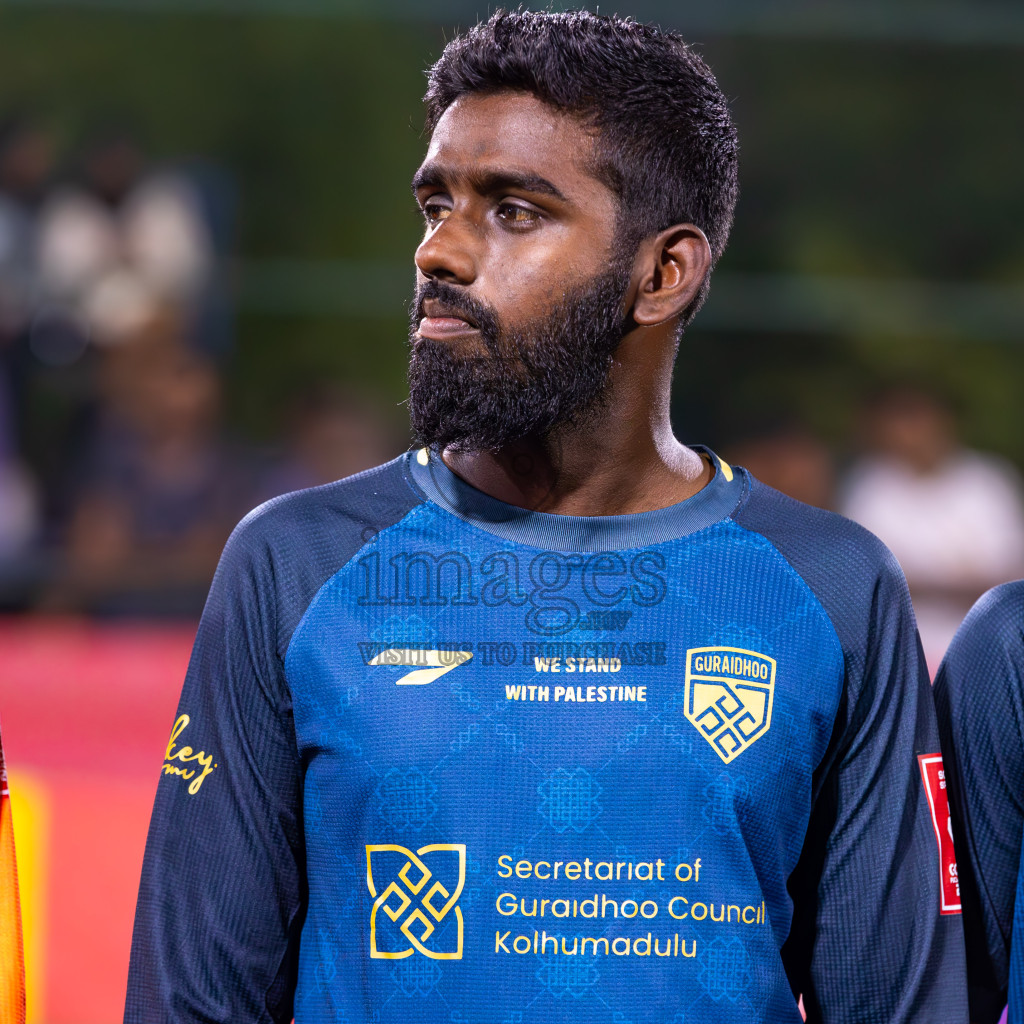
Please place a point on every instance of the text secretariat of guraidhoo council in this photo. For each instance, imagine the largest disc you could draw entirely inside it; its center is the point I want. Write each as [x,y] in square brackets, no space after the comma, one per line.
[601,906]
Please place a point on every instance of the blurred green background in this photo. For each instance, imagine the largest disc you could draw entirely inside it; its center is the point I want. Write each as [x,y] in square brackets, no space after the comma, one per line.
[878,233]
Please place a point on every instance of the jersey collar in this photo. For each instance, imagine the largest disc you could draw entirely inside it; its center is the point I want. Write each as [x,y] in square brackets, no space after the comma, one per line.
[715,501]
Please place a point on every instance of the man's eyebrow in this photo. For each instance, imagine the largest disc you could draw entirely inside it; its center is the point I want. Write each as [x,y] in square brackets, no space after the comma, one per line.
[486,182]
[426,175]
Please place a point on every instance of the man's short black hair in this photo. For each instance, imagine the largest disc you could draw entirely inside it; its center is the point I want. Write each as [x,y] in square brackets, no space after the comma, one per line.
[666,143]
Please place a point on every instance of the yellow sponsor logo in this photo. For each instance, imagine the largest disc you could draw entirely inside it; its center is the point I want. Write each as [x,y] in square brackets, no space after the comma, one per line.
[729,696]
[191,764]
[416,908]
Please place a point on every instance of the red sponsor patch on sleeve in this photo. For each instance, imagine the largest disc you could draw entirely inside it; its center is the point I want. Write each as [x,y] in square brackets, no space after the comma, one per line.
[934,777]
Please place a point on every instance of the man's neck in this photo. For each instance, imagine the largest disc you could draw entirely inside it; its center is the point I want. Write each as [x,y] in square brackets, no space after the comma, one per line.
[599,470]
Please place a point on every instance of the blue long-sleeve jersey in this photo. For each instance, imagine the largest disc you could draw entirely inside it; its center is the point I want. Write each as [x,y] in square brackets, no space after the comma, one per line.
[979,693]
[439,758]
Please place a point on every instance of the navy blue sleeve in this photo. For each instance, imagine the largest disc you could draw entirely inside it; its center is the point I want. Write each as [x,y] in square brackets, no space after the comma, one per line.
[979,694]
[222,895]
[869,941]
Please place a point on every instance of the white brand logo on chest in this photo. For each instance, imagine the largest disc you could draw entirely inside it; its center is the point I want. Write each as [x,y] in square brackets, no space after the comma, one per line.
[431,665]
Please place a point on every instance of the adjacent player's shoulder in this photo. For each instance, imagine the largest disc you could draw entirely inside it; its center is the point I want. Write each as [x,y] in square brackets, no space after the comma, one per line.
[992,632]
[999,611]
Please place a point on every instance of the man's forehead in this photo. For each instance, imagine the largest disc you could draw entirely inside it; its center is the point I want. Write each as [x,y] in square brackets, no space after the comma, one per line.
[510,131]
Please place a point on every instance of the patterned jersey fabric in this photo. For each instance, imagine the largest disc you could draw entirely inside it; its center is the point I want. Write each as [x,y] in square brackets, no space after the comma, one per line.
[979,693]
[439,758]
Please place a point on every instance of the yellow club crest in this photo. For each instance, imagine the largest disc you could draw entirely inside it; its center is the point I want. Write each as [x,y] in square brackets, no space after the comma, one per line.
[729,696]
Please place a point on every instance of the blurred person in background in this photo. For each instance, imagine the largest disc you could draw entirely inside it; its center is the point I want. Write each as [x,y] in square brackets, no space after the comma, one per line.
[91,264]
[161,487]
[20,519]
[26,160]
[46,382]
[93,254]
[26,163]
[952,516]
[122,228]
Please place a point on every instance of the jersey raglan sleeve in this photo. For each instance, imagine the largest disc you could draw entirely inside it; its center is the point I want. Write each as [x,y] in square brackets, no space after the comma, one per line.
[882,937]
[870,942]
[221,896]
[978,694]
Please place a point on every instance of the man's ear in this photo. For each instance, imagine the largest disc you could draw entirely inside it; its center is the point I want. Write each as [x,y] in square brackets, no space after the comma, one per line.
[670,267]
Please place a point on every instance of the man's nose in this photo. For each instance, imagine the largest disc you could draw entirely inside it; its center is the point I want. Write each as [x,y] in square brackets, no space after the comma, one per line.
[450,251]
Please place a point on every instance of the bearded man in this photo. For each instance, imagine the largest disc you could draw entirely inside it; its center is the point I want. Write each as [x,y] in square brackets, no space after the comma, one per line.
[555,718]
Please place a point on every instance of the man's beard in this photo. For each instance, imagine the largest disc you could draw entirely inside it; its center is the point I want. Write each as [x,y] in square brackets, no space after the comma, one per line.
[532,378]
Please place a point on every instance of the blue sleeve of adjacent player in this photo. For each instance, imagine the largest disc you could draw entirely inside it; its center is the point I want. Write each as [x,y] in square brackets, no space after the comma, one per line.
[870,943]
[980,698]
[221,896]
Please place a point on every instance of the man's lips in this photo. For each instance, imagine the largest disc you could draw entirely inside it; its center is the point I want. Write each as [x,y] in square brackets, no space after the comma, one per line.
[440,323]
[442,327]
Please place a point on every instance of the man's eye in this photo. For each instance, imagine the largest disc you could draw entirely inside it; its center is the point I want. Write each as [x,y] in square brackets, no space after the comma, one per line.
[435,212]
[519,216]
